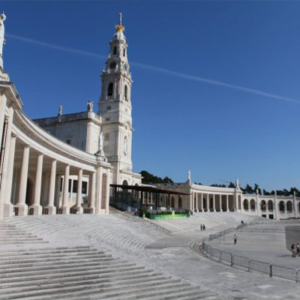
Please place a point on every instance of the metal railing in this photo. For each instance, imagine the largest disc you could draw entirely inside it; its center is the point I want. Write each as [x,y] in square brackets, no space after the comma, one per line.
[244,263]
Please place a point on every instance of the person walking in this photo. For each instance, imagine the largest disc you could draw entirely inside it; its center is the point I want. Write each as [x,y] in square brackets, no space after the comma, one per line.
[235,239]
[294,250]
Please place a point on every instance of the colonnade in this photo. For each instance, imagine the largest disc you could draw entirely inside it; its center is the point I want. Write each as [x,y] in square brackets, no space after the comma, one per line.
[212,202]
[32,163]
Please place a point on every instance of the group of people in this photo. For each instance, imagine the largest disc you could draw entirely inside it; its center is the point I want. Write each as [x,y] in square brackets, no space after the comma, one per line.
[295,249]
[202,227]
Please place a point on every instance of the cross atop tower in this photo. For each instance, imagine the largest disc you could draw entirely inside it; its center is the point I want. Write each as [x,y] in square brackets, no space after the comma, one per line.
[120,18]
[120,26]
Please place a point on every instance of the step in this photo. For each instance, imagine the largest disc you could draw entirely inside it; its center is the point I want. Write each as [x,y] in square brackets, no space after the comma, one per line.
[100,283]
[33,259]
[102,269]
[137,275]
[67,261]
[91,272]
[11,271]
[79,289]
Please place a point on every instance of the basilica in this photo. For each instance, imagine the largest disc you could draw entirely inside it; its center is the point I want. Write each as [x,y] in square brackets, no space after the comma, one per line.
[68,163]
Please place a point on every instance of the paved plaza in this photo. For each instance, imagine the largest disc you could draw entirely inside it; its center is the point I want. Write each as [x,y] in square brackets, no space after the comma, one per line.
[166,259]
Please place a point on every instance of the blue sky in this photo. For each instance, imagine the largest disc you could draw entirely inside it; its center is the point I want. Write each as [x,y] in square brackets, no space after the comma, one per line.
[180,121]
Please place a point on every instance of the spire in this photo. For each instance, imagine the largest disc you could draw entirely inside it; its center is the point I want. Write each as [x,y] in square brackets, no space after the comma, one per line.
[120,26]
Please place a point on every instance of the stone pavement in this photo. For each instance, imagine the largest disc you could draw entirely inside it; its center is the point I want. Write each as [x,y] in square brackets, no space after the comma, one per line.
[170,254]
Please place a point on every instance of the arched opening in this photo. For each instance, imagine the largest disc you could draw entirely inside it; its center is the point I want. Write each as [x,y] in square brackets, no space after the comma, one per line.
[263,205]
[29,192]
[173,202]
[246,204]
[126,92]
[204,204]
[252,204]
[289,206]
[211,204]
[281,206]
[115,50]
[125,182]
[180,203]
[110,90]
[124,52]
[270,205]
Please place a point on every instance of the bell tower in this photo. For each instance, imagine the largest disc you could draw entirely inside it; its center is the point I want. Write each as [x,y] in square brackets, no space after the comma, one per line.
[115,105]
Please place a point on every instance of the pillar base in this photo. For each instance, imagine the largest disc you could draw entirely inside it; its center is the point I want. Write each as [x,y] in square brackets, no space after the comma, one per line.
[79,210]
[51,210]
[8,210]
[36,210]
[65,210]
[92,210]
[21,210]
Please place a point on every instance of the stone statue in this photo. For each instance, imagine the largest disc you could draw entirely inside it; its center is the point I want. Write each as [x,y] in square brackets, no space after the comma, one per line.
[2,39]
[100,153]
[90,106]
[237,184]
[60,110]
[189,176]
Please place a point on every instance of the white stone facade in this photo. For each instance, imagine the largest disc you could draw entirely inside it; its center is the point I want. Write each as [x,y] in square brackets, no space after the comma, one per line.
[59,169]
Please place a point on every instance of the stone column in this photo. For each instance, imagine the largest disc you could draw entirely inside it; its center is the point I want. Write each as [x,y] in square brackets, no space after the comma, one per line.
[65,205]
[58,191]
[21,205]
[8,207]
[79,193]
[201,199]
[37,208]
[108,192]
[227,203]
[197,202]
[220,203]
[208,203]
[89,137]
[294,204]
[92,192]
[214,202]
[51,208]
[98,190]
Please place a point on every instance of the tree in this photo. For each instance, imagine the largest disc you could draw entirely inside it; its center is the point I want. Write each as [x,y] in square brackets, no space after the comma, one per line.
[150,178]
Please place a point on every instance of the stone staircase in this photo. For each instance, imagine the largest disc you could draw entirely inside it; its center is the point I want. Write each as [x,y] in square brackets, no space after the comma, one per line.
[10,234]
[85,273]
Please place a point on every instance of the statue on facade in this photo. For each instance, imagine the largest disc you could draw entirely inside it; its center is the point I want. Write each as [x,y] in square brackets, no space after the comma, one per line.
[237,184]
[90,106]
[100,153]
[60,110]
[2,39]
[189,177]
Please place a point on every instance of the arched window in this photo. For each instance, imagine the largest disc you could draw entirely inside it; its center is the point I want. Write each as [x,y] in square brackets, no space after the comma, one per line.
[281,206]
[263,205]
[115,50]
[246,204]
[126,92]
[125,145]
[270,205]
[252,204]
[113,65]
[110,89]
[124,52]
[125,182]
[68,141]
[289,207]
